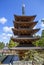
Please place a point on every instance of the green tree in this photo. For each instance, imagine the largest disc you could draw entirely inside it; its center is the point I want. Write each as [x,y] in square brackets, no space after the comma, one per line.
[12,44]
[42,33]
[40,42]
[2,45]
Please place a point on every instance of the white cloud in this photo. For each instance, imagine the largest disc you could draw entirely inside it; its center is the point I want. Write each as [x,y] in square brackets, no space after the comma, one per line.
[9,35]
[42,28]
[6,35]
[42,25]
[34,27]
[3,20]
[42,19]
[5,38]
[3,34]
[7,29]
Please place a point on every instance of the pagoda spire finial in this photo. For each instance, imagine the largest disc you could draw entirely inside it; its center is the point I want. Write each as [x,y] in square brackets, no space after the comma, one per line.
[23,9]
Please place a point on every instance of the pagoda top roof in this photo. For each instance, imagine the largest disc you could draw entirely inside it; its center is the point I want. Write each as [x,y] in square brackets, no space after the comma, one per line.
[27,17]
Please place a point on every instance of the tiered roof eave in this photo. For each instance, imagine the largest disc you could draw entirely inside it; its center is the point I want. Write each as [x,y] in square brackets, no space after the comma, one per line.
[24,31]
[23,24]
[27,39]
[29,18]
[23,28]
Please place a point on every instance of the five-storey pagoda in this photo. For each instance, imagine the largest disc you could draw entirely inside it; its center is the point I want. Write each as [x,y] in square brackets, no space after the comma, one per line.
[23,28]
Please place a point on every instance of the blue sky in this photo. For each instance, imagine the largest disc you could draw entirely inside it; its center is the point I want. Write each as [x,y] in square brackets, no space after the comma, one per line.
[10,7]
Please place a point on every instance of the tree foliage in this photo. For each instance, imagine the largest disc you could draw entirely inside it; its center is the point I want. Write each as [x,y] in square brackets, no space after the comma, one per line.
[42,33]
[2,45]
[40,42]
[12,44]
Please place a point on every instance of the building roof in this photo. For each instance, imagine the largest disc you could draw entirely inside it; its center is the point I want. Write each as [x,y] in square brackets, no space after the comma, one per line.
[24,31]
[24,24]
[26,18]
[25,39]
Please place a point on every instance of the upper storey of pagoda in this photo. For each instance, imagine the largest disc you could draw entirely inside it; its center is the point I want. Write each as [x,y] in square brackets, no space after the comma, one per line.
[24,18]
[24,21]
[24,24]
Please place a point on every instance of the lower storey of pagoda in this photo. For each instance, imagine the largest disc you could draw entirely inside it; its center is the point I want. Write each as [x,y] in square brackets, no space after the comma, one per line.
[25,41]
[25,44]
